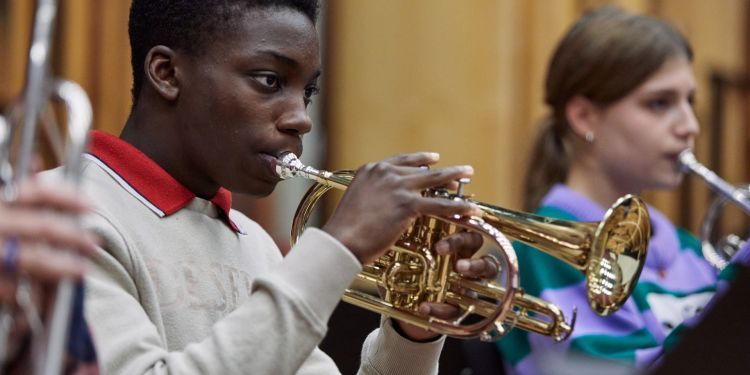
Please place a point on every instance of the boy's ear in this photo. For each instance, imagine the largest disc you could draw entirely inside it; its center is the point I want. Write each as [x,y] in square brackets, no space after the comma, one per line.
[582,116]
[160,72]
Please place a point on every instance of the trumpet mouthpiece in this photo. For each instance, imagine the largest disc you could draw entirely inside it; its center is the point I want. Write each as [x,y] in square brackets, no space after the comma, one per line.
[686,159]
[287,165]
[286,157]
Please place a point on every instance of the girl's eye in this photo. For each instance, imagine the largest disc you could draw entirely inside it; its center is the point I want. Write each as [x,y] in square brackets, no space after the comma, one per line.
[658,105]
[268,80]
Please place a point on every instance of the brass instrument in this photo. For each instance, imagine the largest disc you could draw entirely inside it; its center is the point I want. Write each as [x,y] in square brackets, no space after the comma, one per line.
[48,343]
[610,253]
[720,253]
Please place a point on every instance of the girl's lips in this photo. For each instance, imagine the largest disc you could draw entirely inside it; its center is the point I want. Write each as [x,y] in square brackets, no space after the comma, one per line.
[674,159]
[674,155]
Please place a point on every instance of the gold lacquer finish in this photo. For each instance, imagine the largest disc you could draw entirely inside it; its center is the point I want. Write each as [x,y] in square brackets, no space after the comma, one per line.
[610,253]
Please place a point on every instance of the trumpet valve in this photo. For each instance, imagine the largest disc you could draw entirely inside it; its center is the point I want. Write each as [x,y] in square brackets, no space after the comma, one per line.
[462,182]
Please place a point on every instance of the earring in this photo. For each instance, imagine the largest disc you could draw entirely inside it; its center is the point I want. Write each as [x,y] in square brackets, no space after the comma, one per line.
[589,137]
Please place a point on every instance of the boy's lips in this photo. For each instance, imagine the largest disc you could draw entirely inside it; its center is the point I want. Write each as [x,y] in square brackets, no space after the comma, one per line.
[269,162]
[270,158]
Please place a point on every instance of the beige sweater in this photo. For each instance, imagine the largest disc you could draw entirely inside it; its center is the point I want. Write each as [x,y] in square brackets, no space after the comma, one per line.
[186,294]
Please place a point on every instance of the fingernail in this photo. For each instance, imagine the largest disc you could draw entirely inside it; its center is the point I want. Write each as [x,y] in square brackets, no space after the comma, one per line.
[442,247]
[433,155]
[468,169]
[424,309]
[463,265]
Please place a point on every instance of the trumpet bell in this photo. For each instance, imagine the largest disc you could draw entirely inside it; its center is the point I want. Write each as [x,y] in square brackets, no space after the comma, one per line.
[617,255]
[611,253]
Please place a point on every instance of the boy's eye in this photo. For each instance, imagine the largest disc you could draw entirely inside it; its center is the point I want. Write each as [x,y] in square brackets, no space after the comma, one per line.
[268,80]
[311,91]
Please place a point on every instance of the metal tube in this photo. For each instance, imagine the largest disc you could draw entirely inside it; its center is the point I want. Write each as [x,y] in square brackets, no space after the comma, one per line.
[738,196]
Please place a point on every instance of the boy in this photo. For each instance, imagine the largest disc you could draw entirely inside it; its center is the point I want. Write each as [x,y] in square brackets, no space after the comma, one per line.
[183,284]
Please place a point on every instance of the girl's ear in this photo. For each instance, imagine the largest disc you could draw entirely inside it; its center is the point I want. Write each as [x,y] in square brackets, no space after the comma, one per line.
[582,116]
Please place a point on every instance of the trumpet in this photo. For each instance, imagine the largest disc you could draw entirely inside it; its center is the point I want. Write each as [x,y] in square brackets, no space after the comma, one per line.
[611,254]
[719,254]
[48,343]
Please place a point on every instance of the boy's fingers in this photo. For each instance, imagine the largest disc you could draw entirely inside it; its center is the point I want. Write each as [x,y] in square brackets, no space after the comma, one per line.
[414,160]
[464,244]
[477,268]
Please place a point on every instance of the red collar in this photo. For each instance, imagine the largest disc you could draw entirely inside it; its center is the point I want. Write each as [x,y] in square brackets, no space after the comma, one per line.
[146,180]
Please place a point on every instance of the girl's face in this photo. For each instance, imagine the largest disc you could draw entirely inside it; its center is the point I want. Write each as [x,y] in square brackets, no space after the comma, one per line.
[638,138]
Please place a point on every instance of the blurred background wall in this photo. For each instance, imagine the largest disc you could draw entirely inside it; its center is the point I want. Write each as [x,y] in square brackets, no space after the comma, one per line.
[462,78]
[465,78]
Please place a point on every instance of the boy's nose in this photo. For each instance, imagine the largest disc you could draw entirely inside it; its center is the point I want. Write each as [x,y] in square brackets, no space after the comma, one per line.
[296,121]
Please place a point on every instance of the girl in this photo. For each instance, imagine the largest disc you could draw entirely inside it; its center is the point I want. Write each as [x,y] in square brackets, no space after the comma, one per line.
[620,87]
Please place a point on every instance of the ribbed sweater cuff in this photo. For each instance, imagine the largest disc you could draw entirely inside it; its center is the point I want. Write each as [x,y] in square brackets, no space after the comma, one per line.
[391,354]
[320,268]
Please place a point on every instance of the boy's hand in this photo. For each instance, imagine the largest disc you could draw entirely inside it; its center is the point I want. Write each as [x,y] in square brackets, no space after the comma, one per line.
[463,245]
[385,198]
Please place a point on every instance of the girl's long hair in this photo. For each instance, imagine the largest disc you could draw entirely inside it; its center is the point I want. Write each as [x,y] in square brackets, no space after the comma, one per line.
[604,56]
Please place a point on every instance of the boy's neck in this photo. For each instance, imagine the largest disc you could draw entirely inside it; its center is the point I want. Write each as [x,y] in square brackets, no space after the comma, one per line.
[152,133]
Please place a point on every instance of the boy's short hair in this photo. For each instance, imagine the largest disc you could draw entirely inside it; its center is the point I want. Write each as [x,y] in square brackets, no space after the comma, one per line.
[187,25]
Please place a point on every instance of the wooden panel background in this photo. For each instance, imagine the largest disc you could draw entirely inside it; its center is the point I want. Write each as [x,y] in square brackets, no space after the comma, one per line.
[463,78]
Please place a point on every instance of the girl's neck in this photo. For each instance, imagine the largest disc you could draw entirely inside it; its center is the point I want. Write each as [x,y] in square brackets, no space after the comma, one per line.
[596,185]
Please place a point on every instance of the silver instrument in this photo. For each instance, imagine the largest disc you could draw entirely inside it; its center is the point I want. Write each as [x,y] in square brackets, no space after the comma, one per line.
[48,342]
[720,253]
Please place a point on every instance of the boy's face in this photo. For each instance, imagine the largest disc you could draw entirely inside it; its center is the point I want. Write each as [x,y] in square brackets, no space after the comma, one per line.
[244,100]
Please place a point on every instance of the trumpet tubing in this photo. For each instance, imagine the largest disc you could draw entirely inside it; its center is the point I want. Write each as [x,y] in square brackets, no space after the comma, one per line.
[738,196]
[548,319]
[611,253]
[48,347]
[717,254]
